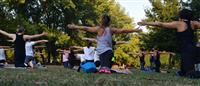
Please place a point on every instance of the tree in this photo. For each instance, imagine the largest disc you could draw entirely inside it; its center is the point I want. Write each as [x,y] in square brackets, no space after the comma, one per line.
[194,5]
[53,16]
[164,11]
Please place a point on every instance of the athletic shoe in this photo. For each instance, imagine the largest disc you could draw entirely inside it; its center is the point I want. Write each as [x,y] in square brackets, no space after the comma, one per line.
[26,64]
[104,70]
[180,73]
[2,65]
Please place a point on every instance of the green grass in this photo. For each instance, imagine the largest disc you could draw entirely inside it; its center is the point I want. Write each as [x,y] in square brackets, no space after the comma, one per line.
[58,76]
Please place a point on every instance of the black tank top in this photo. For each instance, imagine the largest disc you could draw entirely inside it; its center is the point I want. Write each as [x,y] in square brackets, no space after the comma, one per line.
[19,45]
[186,37]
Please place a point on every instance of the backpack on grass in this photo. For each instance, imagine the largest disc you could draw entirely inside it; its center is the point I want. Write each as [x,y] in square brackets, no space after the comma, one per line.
[88,67]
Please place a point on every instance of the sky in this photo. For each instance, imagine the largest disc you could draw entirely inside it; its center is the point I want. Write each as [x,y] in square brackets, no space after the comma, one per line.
[135,9]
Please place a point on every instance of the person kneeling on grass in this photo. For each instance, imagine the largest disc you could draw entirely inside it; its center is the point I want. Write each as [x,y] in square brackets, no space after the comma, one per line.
[3,56]
[104,41]
[30,53]
[87,59]
[19,44]
[69,58]
[185,40]
[65,57]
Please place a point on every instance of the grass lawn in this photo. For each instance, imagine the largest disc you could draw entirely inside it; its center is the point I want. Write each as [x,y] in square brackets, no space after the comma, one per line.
[58,76]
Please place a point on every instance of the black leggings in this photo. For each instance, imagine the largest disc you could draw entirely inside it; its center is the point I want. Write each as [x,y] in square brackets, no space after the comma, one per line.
[189,57]
[106,59]
[158,64]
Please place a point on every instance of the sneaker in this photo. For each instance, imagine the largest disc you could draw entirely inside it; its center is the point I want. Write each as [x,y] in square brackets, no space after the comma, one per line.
[2,65]
[26,64]
[105,70]
[180,73]
[101,70]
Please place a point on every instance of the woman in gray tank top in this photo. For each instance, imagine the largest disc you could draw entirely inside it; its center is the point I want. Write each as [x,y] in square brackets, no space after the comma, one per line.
[104,40]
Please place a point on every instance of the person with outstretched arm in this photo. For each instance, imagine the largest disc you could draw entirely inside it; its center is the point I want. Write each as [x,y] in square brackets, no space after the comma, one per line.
[186,43]
[104,40]
[3,55]
[19,44]
[30,52]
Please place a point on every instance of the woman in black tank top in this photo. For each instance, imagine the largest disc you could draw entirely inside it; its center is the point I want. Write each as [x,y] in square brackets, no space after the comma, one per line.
[19,51]
[19,44]
[185,39]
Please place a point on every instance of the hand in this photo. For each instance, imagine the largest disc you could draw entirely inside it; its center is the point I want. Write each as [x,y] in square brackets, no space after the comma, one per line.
[45,40]
[72,26]
[57,49]
[142,23]
[45,33]
[139,29]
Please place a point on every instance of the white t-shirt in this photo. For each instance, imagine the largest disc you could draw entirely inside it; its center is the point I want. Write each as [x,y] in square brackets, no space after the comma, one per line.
[65,56]
[29,48]
[89,53]
[2,54]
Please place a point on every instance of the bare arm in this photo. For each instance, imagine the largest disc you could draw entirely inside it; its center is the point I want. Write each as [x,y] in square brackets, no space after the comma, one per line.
[59,50]
[121,42]
[77,47]
[5,47]
[84,28]
[196,24]
[7,34]
[10,40]
[41,41]
[170,25]
[78,50]
[35,36]
[119,31]
[90,39]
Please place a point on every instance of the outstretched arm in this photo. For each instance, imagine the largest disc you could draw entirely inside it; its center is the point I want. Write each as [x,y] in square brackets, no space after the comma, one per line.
[35,36]
[170,25]
[77,47]
[119,31]
[41,41]
[90,39]
[196,24]
[121,42]
[84,28]
[5,47]
[7,34]
[10,40]
[59,50]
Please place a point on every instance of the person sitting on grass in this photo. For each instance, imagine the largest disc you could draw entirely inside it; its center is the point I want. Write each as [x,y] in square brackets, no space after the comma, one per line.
[96,57]
[65,57]
[88,58]
[68,56]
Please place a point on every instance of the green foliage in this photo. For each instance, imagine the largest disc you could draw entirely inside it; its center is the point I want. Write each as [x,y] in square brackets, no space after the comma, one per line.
[58,76]
[10,55]
[194,5]
[164,11]
[126,53]
[52,16]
